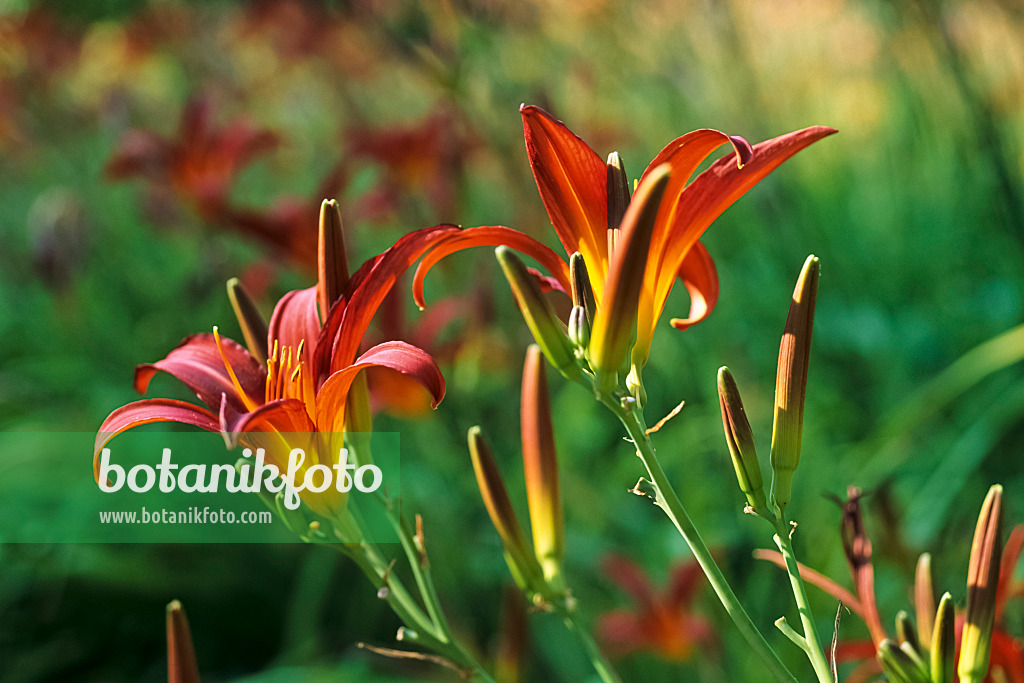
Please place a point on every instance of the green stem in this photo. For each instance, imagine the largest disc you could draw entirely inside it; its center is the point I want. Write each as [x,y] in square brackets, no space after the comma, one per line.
[668,501]
[812,643]
[425,631]
[601,665]
[421,572]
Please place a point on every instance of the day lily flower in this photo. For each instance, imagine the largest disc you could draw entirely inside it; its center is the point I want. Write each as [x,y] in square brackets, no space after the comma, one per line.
[663,622]
[200,163]
[574,185]
[312,362]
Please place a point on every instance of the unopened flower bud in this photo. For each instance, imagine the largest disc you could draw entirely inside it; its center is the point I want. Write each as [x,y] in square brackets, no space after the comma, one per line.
[741,442]
[791,383]
[253,324]
[332,262]
[547,329]
[540,468]
[499,507]
[905,631]
[181,654]
[982,585]
[579,328]
[924,598]
[582,292]
[943,642]
[615,323]
[898,665]
[618,190]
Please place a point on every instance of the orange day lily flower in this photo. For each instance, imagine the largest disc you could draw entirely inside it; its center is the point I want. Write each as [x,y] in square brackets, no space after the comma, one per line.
[578,188]
[663,621]
[303,384]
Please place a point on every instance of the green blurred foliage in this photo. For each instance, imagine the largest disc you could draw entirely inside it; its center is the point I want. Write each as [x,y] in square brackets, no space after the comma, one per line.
[915,210]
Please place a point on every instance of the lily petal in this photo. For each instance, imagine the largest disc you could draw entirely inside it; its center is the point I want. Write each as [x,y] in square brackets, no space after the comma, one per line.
[572,180]
[629,577]
[491,236]
[296,320]
[146,412]
[285,415]
[397,355]
[372,282]
[700,203]
[700,277]
[197,363]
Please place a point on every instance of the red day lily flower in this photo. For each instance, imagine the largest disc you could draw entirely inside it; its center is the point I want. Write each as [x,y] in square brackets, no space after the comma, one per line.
[304,387]
[200,164]
[662,623]
[573,184]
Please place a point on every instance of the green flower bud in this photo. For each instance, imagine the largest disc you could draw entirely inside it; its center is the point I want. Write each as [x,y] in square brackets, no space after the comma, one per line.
[253,324]
[547,329]
[791,383]
[741,442]
[943,647]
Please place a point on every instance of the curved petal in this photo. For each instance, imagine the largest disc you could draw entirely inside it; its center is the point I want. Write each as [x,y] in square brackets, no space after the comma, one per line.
[397,355]
[197,363]
[146,412]
[295,319]
[702,201]
[684,155]
[573,184]
[700,277]
[286,415]
[490,236]
[396,394]
[371,284]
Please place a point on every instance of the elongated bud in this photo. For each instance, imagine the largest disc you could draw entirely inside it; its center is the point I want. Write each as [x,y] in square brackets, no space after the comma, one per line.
[618,191]
[537,312]
[615,323]
[495,496]
[906,634]
[943,647]
[332,262]
[254,325]
[579,328]
[741,442]
[982,584]
[924,598]
[582,292]
[791,383]
[540,468]
[181,655]
[897,664]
